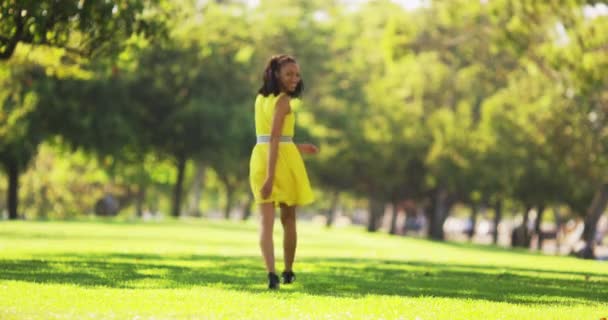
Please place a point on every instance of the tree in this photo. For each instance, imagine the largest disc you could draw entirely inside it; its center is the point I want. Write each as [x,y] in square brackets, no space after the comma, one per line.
[188,92]
[73,25]
[86,28]
[20,128]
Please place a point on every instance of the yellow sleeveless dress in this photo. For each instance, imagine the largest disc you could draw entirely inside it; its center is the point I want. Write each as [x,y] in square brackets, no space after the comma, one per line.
[291,184]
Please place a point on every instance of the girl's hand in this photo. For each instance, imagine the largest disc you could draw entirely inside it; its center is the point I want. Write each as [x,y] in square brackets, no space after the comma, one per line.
[308,148]
[266,188]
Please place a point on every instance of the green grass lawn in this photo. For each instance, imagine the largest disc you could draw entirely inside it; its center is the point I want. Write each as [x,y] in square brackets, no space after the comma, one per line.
[213,270]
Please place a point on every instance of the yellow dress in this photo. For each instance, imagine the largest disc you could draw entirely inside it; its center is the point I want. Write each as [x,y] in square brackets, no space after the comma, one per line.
[291,184]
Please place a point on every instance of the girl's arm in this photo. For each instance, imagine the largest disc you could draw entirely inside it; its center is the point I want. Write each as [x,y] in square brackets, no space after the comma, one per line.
[281,110]
[307,148]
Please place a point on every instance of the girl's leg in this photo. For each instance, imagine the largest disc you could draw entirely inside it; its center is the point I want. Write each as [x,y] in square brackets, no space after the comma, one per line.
[266,244]
[290,236]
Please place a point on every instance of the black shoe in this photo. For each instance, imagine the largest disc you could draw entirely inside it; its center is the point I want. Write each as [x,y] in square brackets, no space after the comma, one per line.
[288,277]
[273,281]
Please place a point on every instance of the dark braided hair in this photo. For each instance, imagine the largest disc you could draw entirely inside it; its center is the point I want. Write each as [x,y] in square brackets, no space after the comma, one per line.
[271,81]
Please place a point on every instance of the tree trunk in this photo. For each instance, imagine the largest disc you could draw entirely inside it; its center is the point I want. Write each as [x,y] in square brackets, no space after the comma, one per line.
[598,204]
[520,237]
[497,218]
[197,189]
[331,212]
[429,212]
[439,214]
[177,195]
[229,200]
[140,199]
[376,209]
[474,211]
[525,231]
[537,225]
[13,189]
[393,229]
[247,206]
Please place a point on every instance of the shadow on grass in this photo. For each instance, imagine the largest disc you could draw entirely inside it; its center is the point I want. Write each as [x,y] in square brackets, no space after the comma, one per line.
[340,277]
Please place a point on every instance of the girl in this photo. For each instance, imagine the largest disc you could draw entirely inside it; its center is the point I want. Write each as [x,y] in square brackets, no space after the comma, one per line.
[276,171]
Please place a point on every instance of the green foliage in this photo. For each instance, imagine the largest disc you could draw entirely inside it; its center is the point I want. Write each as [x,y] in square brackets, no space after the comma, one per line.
[20,128]
[83,27]
[61,185]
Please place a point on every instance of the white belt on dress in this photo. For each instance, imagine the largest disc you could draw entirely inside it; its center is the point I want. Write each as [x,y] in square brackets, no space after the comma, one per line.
[266,139]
